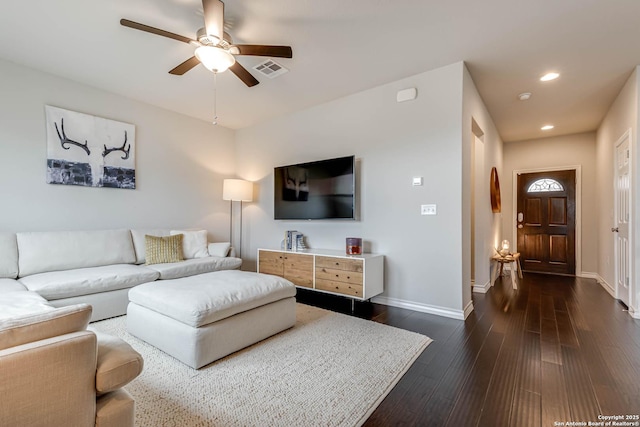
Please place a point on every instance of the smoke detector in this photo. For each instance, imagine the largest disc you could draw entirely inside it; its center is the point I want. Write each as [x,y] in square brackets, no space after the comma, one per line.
[270,69]
[524,96]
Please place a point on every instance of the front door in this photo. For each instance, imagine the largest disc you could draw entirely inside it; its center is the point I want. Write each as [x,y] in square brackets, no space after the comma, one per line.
[546,221]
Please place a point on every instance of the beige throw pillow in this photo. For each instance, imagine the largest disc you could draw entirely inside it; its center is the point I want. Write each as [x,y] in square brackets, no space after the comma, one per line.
[160,250]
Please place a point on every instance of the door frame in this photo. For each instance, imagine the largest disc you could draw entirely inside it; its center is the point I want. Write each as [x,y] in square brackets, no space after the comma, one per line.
[578,241]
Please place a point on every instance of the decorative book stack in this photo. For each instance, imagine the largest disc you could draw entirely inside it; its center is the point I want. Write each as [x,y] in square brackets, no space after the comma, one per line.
[293,241]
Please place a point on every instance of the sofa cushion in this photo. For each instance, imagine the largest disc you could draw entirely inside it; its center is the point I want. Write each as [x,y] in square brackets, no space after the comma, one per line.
[191,267]
[206,298]
[161,250]
[194,243]
[10,285]
[65,250]
[139,243]
[43,324]
[118,363]
[8,255]
[115,409]
[84,281]
[22,302]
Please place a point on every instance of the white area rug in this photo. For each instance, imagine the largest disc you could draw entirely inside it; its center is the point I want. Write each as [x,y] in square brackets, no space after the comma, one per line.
[329,370]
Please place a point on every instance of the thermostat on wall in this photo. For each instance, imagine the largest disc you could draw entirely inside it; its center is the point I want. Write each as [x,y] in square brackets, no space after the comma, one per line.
[407,94]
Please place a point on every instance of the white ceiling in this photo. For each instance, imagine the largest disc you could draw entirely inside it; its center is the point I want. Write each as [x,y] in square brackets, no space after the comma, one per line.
[341,47]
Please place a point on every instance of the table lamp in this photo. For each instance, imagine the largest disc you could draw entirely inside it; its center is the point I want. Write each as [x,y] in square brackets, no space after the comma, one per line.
[505,246]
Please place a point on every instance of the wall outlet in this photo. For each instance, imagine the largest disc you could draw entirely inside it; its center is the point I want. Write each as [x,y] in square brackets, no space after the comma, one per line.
[417,180]
[428,210]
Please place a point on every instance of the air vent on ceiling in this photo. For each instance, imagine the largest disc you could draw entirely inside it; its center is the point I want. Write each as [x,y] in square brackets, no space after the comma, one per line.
[270,68]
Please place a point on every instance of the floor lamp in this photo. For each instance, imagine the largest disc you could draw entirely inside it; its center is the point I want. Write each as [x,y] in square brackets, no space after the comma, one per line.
[236,190]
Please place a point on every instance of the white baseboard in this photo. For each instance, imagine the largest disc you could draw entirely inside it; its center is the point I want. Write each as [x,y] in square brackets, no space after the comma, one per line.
[425,308]
[589,275]
[468,309]
[607,287]
[481,289]
[611,291]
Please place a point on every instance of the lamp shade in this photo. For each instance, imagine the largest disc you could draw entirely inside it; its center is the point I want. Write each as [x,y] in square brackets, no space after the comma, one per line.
[215,59]
[237,190]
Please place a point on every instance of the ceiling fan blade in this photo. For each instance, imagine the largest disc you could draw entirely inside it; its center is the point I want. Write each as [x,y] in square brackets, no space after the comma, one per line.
[243,74]
[265,50]
[214,17]
[153,30]
[185,66]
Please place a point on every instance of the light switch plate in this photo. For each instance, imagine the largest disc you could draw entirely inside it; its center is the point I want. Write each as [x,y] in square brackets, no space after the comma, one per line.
[428,210]
[417,180]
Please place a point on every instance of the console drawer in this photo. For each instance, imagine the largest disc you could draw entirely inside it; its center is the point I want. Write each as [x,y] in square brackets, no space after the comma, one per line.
[352,277]
[339,287]
[339,263]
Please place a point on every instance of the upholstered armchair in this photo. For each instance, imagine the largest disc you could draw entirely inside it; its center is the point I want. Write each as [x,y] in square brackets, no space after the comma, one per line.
[54,372]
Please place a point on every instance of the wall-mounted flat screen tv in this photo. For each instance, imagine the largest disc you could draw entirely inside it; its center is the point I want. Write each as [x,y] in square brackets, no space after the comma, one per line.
[316,190]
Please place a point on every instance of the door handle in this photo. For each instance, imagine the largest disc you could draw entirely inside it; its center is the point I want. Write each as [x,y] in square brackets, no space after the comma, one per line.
[614,230]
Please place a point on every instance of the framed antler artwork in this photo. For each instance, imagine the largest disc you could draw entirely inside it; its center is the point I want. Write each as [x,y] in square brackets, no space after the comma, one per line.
[88,150]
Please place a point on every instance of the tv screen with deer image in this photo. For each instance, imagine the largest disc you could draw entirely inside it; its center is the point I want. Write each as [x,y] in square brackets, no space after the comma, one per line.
[316,190]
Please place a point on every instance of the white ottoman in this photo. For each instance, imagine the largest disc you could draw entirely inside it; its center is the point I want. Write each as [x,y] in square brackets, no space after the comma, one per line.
[203,318]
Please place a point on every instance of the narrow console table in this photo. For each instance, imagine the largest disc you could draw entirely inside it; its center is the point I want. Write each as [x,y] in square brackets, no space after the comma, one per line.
[359,277]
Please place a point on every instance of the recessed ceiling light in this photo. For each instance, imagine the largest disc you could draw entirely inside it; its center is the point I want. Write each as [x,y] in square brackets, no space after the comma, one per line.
[549,76]
[524,96]
[547,127]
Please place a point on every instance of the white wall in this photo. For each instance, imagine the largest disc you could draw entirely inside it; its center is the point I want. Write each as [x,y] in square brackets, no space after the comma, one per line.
[622,116]
[553,152]
[392,142]
[476,120]
[180,163]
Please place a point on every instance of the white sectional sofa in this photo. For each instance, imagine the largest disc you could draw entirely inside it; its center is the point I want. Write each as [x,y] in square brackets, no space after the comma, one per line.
[56,372]
[95,267]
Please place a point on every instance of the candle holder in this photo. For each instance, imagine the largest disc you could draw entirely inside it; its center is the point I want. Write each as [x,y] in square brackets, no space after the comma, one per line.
[354,246]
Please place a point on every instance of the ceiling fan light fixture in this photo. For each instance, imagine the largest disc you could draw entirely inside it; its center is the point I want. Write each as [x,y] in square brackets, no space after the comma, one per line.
[214,58]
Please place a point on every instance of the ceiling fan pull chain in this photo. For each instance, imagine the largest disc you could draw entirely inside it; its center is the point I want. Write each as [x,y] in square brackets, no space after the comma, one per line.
[215,100]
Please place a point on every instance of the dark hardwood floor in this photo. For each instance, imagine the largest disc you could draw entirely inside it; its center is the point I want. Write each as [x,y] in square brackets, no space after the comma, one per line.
[557,350]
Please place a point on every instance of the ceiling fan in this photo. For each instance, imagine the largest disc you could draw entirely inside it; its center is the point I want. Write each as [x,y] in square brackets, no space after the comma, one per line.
[214,47]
